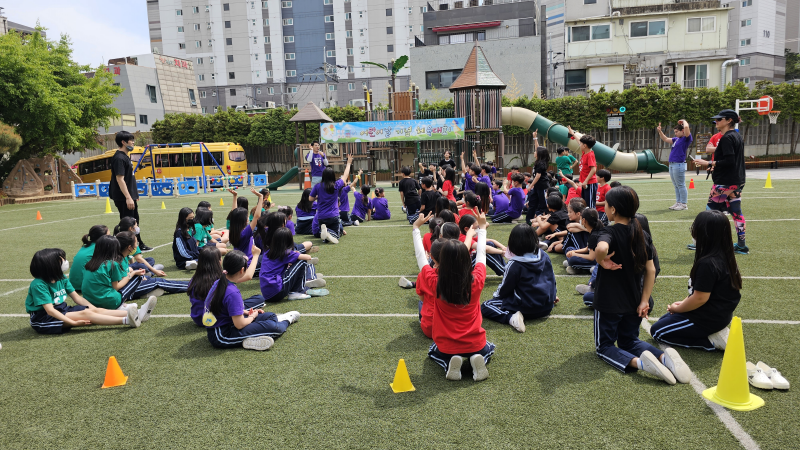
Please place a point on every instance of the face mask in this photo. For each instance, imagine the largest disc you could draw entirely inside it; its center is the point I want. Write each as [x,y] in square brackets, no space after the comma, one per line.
[137,229]
[190,222]
[129,147]
[65,266]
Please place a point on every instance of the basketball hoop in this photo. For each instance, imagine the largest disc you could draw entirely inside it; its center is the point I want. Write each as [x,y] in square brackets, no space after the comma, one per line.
[773,116]
[765,104]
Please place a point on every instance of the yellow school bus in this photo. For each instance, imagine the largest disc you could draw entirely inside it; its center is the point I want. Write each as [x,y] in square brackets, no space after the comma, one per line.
[171,161]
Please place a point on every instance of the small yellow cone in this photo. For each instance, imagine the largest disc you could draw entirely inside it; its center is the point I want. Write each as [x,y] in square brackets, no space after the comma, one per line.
[768,185]
[732,390]
[114,375]
[108,207]
[402,382]
[163,206]
[221,203]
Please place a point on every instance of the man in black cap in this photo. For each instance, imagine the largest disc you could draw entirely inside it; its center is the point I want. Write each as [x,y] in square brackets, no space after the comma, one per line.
[727,172]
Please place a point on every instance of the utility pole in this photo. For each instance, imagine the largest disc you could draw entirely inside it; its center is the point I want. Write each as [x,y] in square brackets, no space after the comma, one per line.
[325,74]
[550,71]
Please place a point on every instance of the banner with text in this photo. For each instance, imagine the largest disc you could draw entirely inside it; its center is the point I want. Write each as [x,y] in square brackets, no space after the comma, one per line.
[397,130]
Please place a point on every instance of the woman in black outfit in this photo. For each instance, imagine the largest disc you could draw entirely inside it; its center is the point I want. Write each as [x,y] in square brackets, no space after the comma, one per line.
[447,160]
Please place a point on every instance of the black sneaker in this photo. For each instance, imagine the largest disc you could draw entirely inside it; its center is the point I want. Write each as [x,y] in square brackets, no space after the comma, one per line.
[145,248]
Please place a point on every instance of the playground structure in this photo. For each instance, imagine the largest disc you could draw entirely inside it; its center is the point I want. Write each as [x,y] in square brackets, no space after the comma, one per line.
[39,177]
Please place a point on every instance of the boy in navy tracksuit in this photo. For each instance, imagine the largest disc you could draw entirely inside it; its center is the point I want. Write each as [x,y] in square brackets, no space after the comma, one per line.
[184,250]
[528,289]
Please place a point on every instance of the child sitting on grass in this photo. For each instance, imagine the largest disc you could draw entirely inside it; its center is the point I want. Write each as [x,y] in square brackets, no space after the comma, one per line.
[380,206]
[140,285]
[204,232]
[283,270]
[344,201]
[306,210]
[528,289]
[582,241]
[47,306]
[575,238]
[551,223]
[224,310]
[494,249]
[138,261]
[85,254]
[428,274]
[184,248]
[240,231]
[456,329]
[362,207]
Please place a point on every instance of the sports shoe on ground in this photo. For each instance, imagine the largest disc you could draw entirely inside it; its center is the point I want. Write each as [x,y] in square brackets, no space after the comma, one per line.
[741,249]
[157,292]
[406,284]
[313,249]
[316,283]
[124,306]
[133,317]
[757,377]
[291,317]
[319,275]
[720,339]
[518,220]
[158,267]
[479,372]
[583,289]
[454,368]
[573,271]
[566,263]
[318,292]
[778,381]
[323,232]
[543,246]
[691,247]
[145,249]
[259,343]
[675,364]
[314,261]
[674,206]
[404,209]
[355,223]
[653,366]
[191,265]
[518,322]
[680,207]
[298,296]
[147,308]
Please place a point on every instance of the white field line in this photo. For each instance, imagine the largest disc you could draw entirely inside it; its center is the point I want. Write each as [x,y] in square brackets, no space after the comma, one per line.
[723,414]
[53,222]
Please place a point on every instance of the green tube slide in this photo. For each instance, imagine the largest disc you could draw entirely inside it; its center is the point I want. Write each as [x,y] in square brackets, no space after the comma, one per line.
[605,155]
[285,178]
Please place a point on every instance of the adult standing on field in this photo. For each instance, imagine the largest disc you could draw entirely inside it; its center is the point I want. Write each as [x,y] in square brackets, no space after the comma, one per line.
[448,160]
[318,161]
[677,161]
[728,173]
[122,187]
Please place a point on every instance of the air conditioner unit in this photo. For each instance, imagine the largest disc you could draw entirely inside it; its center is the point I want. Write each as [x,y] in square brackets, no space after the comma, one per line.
[359,102]
[641,81]
[667,70]
[210,44]
[214,93]
[667,80]
[625,68]
[269,104]
[207,9]
[652,80]
[211,58]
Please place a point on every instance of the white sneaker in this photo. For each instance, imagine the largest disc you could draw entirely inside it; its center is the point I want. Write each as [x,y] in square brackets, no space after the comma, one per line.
[757,377]
[518,220]
[319,275]
[298,296]
[323,232]
[313,261]
[124,306]
[259,343]
[675,364]
[133,317]
[778,381]
[454,368]
[566,263]
[573,271]
[316,283]
[191,265]
[680,207]
[518,322]
[355,223]
[313,249]
[291,317]
[479,372]
[157,292]
[653,366]
[405,283]
[147,309]
[674,206]
[543,246]
[583,289]
[158,267]
[720,339]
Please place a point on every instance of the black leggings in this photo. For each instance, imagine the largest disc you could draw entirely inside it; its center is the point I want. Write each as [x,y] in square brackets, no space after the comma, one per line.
[122,207]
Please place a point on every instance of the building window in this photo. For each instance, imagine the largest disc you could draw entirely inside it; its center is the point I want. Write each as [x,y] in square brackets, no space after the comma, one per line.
[423,9]
[227,24]
[348,16]
[328,2]
[233,92]
[231,75]
[266,39]
[744,62]
[701,24]
[195,9]
[292,90]
[286,4]
[258,90]
[210,43]
[328,19]
[461,37]
[201,77]
[410,29]
[330,36]
[143,119]
[695,76]
[589,2]
[390,48]
[230,58]
[349,52]
[745,80]
[204,110]
[747,3]
[182,46]
[226,6]
[264,5]
[291,73]
[268,74]
[745,42]
[388,12]
[178,12]
[192,100]
[362,50]
[441,79]
[151,92]
[652,28]
[348,34]
[288,39]
[197,44]
[197,27]
[351,86]
[331,53]
[228,41]
[213,75]
[361,32]
[332,87]
[389,30]
[575,79]
[361,14]
[289,56]
[253,22]
[268,56]
[199,60]
[350,69]
[287,22]
[747,23]
[202,94]
[271,91]
[256,55]
[180,29]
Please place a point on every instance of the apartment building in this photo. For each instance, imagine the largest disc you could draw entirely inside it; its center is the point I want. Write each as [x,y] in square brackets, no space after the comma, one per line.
[505,30]
[793,26]
[286,52]
[623,43]
[758,36]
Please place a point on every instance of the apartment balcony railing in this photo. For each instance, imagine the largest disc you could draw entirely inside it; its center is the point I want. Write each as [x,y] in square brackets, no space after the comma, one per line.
[691,84]
[488,34]
[444,5]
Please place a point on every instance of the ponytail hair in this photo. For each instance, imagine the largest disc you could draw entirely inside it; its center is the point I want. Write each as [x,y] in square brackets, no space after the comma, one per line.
[378,191]
[435,227]
[626,202]
[125,224]
[267,224]
[484,194]
[471,200]
[233,263]
[126,239]
[436,249]
[94,234]
[365,195]
[592,218]
[238,218]
[106,249]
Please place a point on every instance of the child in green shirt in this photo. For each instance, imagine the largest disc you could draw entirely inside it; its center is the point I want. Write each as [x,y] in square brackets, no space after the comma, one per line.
[204,232]
[85,254]
[565,162]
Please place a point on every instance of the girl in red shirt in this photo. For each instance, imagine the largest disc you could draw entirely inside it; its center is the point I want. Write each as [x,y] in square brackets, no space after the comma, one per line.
[457,332]
[449,176]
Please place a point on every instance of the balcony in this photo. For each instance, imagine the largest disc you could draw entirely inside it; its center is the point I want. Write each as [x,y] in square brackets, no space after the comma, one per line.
[487,34]
[444,5]
[691,84]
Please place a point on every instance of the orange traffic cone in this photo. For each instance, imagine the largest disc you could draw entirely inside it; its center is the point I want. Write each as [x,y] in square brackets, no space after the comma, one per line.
[38,215]
[691,183]
[114,375]
[307,182]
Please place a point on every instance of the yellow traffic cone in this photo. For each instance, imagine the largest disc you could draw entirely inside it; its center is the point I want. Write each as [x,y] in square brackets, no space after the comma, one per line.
[768,185]
[732,390]
[402,382]
[163,206]
[108,207]
[221,203]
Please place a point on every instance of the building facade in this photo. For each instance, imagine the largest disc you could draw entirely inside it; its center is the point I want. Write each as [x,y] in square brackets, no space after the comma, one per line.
[507,33]
[286,52]
[758,37]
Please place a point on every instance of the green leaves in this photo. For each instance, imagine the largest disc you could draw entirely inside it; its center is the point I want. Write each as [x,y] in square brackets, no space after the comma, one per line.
[382,66]
[399,63]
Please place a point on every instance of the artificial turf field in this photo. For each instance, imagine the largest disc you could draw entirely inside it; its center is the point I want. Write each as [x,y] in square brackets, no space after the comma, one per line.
[325,383]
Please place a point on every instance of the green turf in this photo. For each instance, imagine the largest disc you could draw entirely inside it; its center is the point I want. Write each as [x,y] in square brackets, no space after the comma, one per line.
[325,384]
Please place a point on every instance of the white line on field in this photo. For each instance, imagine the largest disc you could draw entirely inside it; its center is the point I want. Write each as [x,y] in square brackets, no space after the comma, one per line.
[723,414]
[15,290]
[48,223]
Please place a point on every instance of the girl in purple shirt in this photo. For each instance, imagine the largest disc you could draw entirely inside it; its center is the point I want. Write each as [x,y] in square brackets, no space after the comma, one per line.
[283,270]
[326,194]
[306,210]
[227,322]
[362,208]
[380,206]
[344,202]
[241,233]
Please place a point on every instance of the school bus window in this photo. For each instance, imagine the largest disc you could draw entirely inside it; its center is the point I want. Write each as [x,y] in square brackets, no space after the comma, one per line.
[236,156]
[210,162]
[176,160]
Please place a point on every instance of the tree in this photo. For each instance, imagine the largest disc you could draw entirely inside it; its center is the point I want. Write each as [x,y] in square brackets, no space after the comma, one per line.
[513,90]
[10,141]
[792,65]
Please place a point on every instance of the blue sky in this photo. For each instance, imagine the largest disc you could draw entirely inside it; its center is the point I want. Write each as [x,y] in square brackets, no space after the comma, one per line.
[99,29]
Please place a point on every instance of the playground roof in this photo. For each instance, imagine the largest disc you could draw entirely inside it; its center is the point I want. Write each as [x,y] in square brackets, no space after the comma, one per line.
[310,113]
[477,73]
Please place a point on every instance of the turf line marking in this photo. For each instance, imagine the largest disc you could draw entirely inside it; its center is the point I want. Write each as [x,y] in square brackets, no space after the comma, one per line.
[49,223]
[15,290]
[723,414]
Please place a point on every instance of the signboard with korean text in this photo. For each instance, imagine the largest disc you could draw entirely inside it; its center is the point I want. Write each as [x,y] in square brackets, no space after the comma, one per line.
[388,131]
